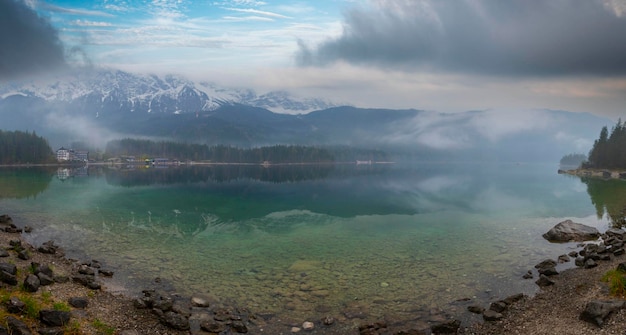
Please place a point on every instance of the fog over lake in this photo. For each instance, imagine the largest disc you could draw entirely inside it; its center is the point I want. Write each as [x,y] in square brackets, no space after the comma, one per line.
[388,239]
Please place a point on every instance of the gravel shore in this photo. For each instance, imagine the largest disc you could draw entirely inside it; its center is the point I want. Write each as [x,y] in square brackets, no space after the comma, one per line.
[105,313]
[556,309]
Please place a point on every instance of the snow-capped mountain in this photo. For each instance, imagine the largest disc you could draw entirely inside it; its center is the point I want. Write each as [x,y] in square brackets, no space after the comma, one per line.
[110,91]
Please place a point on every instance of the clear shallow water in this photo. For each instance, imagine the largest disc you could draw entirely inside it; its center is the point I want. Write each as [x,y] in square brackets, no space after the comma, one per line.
[383,240]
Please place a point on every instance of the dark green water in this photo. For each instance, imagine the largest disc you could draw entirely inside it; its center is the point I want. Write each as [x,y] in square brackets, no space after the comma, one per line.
[304,241]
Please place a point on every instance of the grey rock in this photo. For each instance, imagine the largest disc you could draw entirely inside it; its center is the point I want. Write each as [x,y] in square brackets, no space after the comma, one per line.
[23,255]
[45,269]
[447,327]
[328,321]
[15,305]
[175,321]
[87,281]
[16,326]
[240,327]
[78,302]
[182,307]
[32,283]
[597,311]
[548,271]
[475,309]
[44,279]
[8,278]
[563,259]
[54,318]
[544,281]
[571,231]
[498,306]
[616,232]
[546,263]
[48,248]
[199,302]
[51,331]
[86,270]
[590,263]
[61,279]
[491,315]
[513,298]
[213,326]
[528,275]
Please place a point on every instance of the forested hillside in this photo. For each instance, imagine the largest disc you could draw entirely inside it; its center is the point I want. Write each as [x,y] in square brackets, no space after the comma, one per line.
[143,149]
[17,147]
[609,151]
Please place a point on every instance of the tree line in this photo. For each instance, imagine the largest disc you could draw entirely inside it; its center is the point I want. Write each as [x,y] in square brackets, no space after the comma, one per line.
[18,147]
[144,149]
[573,160]
[609,150]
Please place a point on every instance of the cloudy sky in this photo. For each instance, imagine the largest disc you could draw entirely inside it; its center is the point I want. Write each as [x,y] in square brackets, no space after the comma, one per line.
[447,56]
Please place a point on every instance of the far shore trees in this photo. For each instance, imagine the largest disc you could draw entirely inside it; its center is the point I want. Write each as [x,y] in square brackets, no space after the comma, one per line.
[609,150]
[275,154]
[573,160]
[18,147]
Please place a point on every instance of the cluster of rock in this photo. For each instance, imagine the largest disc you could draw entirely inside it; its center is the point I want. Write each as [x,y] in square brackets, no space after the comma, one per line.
[604,248]
[51,321]
[174,311]
[195,313]
[496,308]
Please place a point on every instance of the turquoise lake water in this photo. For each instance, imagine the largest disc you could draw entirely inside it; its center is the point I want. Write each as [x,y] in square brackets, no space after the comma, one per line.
[301,241]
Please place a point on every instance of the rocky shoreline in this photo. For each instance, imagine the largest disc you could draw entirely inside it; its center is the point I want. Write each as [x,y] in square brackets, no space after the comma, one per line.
[576,301]
[71,294]
[595,173]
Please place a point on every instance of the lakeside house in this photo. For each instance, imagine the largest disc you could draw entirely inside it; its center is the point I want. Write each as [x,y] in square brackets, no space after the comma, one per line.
[71,155]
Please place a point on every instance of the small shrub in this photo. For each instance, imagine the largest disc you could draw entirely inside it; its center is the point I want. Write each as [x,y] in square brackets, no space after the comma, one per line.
[46,297]
[103,328]
[72,328]
[31,306]
[617,282]
[61,306]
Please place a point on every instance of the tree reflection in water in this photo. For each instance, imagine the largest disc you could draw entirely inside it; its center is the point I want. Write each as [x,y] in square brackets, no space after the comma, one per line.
[609,198]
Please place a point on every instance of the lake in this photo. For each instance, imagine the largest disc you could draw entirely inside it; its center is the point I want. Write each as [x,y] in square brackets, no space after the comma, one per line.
[298,242]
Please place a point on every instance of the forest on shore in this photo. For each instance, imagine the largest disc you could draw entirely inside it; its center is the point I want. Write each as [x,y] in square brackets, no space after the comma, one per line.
[18,147]
[275,154]
[609,150]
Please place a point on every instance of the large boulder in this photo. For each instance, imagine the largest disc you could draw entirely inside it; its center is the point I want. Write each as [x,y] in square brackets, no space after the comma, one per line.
[597,311]
[569,230]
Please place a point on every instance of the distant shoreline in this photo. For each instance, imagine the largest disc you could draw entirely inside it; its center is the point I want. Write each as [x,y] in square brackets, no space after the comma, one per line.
[596,173]
[197,163]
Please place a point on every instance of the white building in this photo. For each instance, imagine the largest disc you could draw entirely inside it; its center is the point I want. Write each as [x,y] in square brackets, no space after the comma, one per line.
[64,155]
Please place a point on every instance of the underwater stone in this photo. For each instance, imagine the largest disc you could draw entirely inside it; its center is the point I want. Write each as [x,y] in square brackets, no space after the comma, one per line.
[569,230]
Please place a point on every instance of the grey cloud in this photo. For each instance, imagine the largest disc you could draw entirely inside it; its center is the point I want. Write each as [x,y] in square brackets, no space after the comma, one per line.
[28,43]
[516,37]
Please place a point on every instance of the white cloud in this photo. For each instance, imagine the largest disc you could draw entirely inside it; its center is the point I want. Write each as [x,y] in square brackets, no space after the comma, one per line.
[259,12]
[87,23]
[496,124]
[247,18]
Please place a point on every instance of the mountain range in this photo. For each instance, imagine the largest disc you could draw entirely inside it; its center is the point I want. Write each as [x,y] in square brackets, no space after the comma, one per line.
[101,105]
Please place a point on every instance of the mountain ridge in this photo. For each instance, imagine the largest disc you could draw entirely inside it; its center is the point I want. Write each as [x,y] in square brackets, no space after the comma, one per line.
[116,104]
